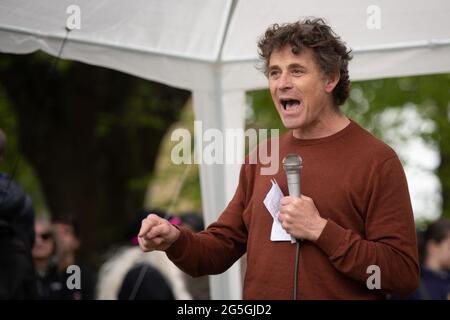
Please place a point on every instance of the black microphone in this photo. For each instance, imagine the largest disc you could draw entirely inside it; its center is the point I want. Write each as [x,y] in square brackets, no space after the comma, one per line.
[292,165]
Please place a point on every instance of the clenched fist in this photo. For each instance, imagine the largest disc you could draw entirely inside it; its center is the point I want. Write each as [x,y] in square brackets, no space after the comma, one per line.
[157,234]
[300,218]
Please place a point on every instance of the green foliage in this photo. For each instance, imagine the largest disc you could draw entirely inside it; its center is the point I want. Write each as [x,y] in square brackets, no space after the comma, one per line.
[13,161]
[263,112]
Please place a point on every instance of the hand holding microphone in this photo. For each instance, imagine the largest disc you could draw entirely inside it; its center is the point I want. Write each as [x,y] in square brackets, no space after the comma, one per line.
[298,213]
[292,164]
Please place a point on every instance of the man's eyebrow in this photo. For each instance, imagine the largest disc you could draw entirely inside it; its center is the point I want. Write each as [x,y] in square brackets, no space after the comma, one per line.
[291,66]
[296,66]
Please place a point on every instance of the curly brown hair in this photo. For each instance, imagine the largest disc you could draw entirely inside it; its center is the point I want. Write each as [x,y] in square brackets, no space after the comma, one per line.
[330,53]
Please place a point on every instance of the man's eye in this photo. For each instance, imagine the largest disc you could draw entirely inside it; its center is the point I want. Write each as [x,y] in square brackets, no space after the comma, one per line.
[297,72]
[273,73]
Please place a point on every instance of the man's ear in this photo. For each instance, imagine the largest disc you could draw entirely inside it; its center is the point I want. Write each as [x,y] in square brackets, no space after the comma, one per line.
[331,81]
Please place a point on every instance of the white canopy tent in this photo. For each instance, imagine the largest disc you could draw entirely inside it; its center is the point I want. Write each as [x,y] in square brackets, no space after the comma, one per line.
[209,47]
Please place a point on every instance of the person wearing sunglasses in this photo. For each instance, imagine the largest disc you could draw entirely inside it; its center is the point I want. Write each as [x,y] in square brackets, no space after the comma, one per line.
[50,284]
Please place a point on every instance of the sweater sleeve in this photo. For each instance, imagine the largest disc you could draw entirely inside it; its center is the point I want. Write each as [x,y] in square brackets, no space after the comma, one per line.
[390,236]
[215,249]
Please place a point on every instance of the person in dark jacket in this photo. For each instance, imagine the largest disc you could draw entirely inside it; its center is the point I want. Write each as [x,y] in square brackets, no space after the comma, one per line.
[17,273]
[435,269]
[68,239]
[50,283]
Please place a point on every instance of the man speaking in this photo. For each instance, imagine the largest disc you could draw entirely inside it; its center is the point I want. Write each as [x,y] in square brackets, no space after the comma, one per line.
[353,219]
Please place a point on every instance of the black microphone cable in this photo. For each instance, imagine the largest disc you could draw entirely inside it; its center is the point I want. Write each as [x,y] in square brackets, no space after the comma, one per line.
[297,253]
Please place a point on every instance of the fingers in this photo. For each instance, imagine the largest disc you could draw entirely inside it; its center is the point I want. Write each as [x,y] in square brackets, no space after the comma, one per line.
[153,238]
[160,230]
[156,234]
[291,206]
[285,201]
[284,218]
[287,204]
[150,245]
[298,217]
[280,216]
[148,223]
[285,221]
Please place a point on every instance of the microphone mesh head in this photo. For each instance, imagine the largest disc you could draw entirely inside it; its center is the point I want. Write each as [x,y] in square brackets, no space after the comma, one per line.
[292,162]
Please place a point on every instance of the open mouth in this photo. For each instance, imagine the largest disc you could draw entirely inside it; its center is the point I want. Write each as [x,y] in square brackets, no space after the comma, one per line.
[290,103]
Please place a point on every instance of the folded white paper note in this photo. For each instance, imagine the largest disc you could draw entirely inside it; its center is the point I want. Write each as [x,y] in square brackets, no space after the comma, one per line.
[272,203]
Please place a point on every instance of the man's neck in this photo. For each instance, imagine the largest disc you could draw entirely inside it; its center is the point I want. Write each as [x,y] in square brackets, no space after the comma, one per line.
[328,124]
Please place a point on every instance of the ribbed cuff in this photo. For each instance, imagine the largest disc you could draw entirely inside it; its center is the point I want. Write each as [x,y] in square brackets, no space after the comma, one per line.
[176,250]
[331,237]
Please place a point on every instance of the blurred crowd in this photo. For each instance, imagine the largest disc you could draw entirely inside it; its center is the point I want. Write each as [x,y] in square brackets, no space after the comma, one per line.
[37,257]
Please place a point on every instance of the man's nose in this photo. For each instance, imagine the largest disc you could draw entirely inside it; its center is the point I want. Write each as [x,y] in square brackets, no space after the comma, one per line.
[285,81]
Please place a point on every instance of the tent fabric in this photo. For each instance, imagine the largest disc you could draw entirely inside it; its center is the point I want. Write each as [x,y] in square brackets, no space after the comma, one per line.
[209,47]
[179,42]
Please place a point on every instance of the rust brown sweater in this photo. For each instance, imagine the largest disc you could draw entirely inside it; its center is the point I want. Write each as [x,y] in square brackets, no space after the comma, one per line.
[358,185]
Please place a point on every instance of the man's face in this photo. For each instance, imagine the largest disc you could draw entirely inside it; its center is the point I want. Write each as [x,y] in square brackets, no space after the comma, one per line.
[65,235]
[442,251]
[301,93]
[44,243]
